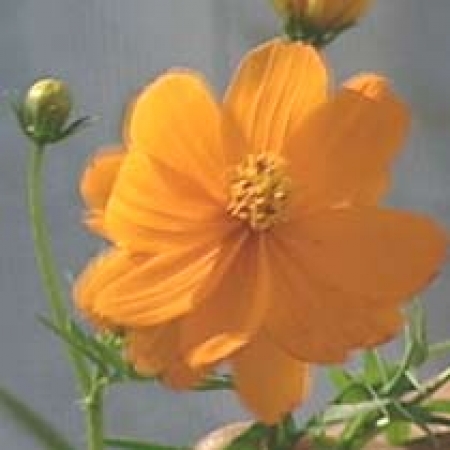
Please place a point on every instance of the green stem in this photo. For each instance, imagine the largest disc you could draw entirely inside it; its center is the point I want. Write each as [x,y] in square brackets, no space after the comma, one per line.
[51,282]
[44,257]
[94,417]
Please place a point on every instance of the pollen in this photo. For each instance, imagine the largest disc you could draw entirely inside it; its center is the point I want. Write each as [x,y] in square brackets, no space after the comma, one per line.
[259,191]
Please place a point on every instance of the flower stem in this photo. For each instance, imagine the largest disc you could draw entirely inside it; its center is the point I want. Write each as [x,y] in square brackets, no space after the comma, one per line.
[94,416]
[50,278]
[44,257]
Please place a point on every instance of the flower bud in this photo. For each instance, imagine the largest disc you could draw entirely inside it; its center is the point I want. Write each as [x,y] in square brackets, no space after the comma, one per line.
[315,19]
[45,109]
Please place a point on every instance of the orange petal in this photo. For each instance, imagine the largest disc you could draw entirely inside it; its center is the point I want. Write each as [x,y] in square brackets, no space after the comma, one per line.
[179,375]
[348,144]
[154,208]
[269,381]
[139,291]
[275,87]
[317,323]
[233,312]
[154,351]
[151,350]
[177,122]
[110,265]
[369,251]
[96,184]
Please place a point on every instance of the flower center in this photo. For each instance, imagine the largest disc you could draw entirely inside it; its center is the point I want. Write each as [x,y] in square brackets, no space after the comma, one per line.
[259,191]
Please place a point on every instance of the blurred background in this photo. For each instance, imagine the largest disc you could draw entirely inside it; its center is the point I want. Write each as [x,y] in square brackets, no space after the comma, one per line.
[107,50]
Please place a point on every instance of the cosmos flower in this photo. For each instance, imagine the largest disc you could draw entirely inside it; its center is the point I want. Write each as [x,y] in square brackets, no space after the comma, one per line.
[250,231]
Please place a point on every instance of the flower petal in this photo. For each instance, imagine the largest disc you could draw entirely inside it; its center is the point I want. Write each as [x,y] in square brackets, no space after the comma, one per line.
[177,122]
[233,311]
[320,324]
[369,251]
[96,185]
[151,349]
[275,87]
[140,291]
[154,351]
[269,381]
[155,208]
[347,143]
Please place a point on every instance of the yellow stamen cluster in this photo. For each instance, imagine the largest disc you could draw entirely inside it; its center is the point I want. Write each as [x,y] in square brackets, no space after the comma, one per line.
[259,191]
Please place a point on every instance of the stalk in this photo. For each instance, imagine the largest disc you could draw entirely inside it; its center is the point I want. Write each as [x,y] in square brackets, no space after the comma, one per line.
[55,295]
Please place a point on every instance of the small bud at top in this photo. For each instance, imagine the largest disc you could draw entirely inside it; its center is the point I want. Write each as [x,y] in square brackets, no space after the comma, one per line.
[319,21]
[45,109]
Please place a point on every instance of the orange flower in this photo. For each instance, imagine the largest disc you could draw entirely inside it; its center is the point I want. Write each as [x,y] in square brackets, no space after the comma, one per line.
[249,231]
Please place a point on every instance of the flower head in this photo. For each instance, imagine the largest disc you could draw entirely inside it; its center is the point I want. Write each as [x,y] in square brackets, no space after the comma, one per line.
[46,108]
[324,14]
[250,230]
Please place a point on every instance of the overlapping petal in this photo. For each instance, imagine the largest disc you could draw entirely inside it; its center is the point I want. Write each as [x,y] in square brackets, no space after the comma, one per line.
[320,323]
[347,144]
[232,312]
[177,122]
[269,381]
[135,290]
[155,208]
[276,86]
[96,185]
[368,251]
[155,351]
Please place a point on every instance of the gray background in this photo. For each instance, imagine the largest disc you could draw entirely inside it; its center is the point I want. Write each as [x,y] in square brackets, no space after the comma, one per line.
[106,49]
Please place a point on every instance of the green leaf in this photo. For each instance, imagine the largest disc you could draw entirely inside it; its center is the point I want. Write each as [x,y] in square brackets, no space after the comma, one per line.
[32,422]
[414,414]
[345,412]
[416,335]
[253,439]
[398,432]
[128,444]
[103,350]
[355,393]
[438,406]
[340,378]
[439,350]
[76,126]
[375,368]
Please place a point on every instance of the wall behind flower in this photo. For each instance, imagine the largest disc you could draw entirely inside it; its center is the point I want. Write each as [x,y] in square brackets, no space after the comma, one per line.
[106,49]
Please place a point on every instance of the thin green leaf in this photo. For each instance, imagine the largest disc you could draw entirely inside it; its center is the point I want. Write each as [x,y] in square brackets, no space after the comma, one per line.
[439,350]
[340,378]
[398,432]
[354,394]
[32,422]
[69,336]
[417,415]
[76,126]
[438,406]
[375,368]
[416,332]
[342,413]
[253,439]
[128,444]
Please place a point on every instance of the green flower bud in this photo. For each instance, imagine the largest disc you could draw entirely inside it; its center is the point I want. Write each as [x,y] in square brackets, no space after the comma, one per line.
[320,21]
[46,109]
